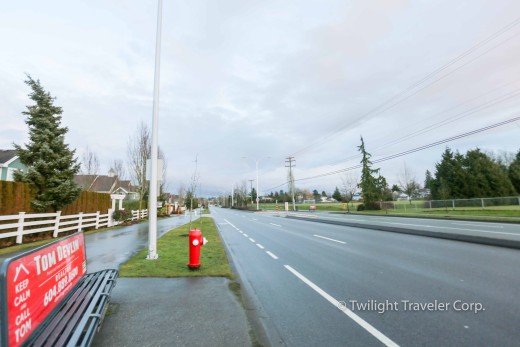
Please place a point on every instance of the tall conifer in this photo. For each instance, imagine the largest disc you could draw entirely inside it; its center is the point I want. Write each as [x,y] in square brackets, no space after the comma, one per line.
[51,164]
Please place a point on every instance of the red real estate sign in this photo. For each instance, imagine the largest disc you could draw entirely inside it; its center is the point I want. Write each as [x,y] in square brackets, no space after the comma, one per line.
[37,281]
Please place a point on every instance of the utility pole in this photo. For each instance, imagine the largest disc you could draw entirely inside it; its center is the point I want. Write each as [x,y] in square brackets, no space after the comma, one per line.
[152,210]
[251,181]
[289,163]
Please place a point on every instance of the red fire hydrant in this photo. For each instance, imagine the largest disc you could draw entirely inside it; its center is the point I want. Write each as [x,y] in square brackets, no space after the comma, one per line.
[196,241]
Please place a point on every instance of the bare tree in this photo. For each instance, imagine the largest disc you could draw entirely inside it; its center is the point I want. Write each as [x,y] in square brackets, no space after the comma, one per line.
[349,183]
[164,183]
[89,167]
[408,183]
[240,192]
[139,149]
[181,192]
[89,162]
[119,169]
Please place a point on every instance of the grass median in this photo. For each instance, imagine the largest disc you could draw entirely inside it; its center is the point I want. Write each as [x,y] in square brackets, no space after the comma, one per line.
[173,252]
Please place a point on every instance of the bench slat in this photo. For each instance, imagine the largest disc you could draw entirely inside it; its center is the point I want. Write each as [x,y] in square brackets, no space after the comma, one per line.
[75,322]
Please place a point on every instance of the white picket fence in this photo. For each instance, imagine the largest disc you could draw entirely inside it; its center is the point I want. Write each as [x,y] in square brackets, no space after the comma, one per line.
[22,224]
[136,213]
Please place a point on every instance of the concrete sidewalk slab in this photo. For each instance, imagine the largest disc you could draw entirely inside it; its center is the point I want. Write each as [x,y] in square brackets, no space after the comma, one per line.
[198,311]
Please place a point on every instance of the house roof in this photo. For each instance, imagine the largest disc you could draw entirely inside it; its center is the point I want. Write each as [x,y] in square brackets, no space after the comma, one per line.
[103,184]
[84,181]
[127,186]
[7,155]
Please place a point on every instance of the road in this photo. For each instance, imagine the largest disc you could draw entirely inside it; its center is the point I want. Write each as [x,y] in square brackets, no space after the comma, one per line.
[315,284]
[494,230]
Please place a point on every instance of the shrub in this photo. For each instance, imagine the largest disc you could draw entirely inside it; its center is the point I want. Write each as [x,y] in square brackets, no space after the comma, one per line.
[122,215]
[374,206]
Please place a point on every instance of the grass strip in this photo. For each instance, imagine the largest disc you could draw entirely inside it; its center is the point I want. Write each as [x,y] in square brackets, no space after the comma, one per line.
[173,252]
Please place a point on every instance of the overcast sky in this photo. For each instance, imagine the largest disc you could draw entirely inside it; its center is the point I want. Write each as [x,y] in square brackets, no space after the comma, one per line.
[269,78]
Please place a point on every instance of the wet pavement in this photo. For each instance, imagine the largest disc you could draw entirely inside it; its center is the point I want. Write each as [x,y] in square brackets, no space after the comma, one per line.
[109,249]
[197,311]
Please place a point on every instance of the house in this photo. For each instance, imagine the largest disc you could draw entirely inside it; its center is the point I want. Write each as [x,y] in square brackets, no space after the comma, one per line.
[9,163]
[107,184]
[127,189]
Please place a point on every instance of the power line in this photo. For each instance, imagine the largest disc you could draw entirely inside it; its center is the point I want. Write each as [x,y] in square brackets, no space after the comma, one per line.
[449,120]
[417,149]
[400,97]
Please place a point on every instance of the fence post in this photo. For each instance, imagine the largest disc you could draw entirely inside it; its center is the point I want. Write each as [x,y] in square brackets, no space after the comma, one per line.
[80,221]
[430,202]
[19,237]
[482,202]
[453,204]
[97,220]
[57,224]
[110,222]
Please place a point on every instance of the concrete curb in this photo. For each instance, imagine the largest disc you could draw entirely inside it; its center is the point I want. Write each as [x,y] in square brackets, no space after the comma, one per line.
[440,235]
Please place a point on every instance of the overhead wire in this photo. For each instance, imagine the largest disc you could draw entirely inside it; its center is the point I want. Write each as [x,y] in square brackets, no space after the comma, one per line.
[451,119]
[400,97]
[413,150]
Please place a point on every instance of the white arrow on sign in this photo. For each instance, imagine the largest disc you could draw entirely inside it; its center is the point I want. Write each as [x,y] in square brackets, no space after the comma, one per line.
[18,270]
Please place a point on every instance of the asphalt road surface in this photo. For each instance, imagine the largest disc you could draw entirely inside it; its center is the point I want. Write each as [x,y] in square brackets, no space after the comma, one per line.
[317,284]
[495,230]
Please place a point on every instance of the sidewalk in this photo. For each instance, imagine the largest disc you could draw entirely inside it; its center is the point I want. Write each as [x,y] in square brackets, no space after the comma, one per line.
[198,311]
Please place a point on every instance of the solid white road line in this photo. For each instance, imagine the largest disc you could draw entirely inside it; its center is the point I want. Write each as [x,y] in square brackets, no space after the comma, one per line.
[272,255]
[230,224]
[326,238]
[342,307]
[260,246]
[276,225]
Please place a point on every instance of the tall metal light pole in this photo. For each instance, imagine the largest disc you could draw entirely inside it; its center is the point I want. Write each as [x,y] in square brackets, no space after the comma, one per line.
[257,191]
[152,213]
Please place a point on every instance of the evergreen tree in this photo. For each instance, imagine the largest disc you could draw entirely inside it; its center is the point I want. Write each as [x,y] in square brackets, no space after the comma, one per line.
[514,172]
[450,169]
[316,195]
[486,177]
[337,195]
[51,164]
[192,202]
[428,180]
[474,175]
[372,187]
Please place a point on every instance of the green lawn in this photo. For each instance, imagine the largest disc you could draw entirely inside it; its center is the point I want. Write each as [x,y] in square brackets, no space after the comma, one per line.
[416,208]
[174,255]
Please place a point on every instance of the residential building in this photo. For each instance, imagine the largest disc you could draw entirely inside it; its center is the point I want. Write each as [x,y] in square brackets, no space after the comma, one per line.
[9,164]
[107,184]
